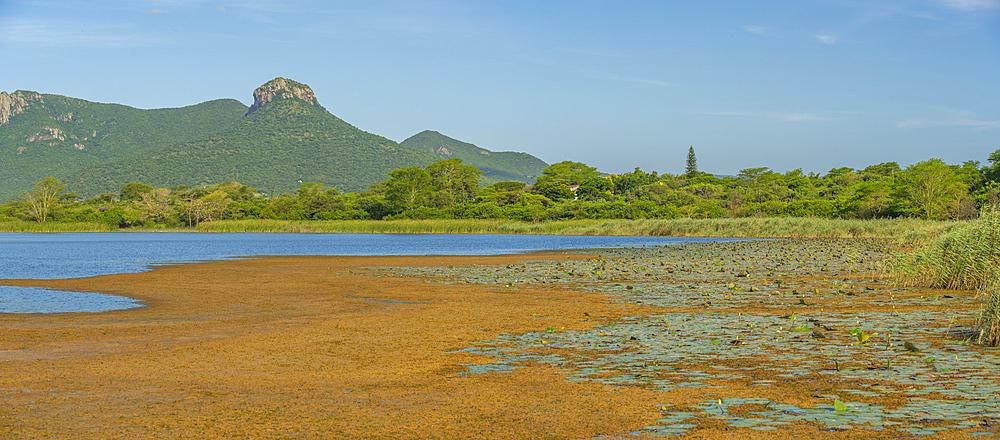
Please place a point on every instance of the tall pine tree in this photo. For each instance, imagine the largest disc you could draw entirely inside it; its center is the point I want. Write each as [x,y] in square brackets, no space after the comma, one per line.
[692,163]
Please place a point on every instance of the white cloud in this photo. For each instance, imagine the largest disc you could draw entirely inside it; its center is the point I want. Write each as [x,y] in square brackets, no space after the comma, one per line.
[970,5]
[826,39]
[951,117]
[776,116]
[759,30]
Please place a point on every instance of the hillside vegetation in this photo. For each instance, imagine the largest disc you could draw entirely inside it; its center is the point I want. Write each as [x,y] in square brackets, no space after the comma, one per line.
[283,139]
[52,135]
[273,148]
[496,166]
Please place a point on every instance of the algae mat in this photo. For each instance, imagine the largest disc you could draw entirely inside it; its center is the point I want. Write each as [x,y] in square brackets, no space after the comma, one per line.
[762,339]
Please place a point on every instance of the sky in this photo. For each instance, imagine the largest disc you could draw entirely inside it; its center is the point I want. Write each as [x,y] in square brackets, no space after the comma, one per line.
[804,84]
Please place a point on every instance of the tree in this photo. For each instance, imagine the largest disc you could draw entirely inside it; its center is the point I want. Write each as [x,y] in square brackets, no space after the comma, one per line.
[931,189]
[208,207]
[554,191]
[133,190]
[596,189]
[453,182]
[753,177]
[45,194]
[158,202]
[692,163]
[570,173]
[627,183]
[992,172]
[408,188]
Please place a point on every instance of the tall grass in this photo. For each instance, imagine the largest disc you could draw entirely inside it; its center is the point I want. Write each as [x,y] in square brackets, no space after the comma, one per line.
[965,258]
[22,226]
[906,230]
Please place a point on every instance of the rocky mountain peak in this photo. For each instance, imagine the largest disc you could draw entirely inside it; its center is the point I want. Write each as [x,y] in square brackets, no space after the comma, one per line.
[281,88]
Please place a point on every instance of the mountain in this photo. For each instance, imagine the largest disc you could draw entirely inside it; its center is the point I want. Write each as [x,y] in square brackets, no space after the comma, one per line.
[496,166]
[45,135]
[284,138]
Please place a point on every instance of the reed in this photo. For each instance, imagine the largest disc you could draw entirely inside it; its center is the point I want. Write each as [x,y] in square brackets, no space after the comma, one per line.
[22,226]
[965,258]
[905,230]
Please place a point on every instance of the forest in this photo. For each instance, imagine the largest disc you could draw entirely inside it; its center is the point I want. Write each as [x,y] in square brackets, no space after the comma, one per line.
[448,189]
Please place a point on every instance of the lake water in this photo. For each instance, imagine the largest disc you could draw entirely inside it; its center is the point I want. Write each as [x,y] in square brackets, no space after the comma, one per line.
[75,255]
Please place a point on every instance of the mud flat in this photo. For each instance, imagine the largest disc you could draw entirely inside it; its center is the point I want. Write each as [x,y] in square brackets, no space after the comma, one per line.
[763,339]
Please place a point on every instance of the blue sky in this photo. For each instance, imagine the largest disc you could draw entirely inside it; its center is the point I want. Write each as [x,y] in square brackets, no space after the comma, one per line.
[617,85]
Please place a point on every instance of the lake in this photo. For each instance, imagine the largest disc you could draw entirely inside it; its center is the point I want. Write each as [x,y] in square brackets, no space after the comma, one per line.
[76,255]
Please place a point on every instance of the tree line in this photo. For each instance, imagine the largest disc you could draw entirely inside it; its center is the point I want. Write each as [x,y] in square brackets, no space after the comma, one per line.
[930,189]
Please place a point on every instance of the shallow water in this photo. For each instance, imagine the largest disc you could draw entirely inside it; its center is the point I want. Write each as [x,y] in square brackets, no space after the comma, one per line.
[77,255]
[16,299]
[746,313]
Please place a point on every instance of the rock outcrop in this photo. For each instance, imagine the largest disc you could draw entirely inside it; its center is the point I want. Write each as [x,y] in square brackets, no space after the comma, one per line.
[12,104]
[281,88]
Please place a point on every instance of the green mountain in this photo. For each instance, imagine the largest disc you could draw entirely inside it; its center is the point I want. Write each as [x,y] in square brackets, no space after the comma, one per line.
[45,135]
[284,138]
[496,166]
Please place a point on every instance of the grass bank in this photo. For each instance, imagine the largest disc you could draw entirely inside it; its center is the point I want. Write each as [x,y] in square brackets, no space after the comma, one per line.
[907,230]
[903,230]
[21,226]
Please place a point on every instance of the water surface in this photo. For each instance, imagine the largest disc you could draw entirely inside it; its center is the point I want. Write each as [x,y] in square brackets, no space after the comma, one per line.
[76,255]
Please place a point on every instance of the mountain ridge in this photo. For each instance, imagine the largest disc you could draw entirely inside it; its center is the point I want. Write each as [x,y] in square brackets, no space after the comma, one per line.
[285,138]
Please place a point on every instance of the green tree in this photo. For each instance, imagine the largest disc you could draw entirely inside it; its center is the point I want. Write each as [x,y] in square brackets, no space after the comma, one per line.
[453,182]
[596,189]
[408,188]
[992,171]
[931,189]
[567,172]
[207,208]
[884,170]
[692,163]
[554,191]
[753,178]
[626,184]
[132,191]
[158,203]
[43,197]
[870,199]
